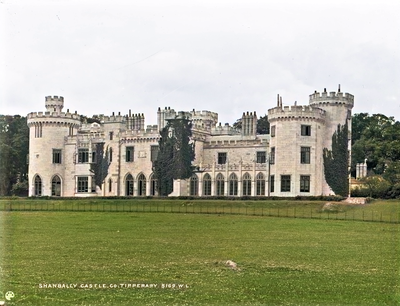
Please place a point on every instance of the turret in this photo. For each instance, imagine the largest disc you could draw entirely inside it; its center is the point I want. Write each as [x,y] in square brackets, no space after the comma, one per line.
[54,104]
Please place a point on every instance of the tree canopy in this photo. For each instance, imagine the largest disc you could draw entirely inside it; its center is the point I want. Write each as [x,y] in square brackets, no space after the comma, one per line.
[175,156]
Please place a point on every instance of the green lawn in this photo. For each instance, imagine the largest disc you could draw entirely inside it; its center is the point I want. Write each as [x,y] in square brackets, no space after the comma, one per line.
[282,261]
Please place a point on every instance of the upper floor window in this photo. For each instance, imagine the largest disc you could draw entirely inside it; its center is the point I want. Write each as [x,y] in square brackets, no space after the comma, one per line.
[261,157]
[153,153]
[83,155]
[305,155]
[56,156]
[111,134]
[305,130]
[129,154]
[272,131]
[272,156]
[222,158]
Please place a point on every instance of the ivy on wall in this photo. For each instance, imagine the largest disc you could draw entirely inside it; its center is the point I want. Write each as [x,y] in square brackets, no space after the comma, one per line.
[99,167]
[336,162]
[175,156]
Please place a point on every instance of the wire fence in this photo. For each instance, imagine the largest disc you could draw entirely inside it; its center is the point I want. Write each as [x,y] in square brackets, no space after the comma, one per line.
[333,211]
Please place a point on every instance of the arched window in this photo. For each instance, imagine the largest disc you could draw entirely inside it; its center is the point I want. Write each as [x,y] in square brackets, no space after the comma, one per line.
[56,186]
[207,185]
[129,185]
[220,181]
[153,186]
[194,185]
[233,185]
[246,182]
[141,185]
[260,181]
[110,185]
[38,186]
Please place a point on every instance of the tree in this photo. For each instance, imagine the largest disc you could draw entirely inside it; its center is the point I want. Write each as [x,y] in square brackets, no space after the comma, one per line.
[175,156]
[99,167]
[14,147]
[336,162]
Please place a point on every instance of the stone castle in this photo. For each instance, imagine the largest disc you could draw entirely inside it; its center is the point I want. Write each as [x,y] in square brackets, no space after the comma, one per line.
[229,162]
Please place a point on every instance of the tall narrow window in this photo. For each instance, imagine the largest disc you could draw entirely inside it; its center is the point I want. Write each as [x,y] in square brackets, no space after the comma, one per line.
[129,185]
[38,186]
[153,153]
[110,185]
[305,130]
[56,186]
[129,154]
[194,185]
[83,184]
[220,181]
[305,155]
[111,134]
[153,186]
[272,183]
[261,157]
[273,131]
[285,183]
[272,156]
[222,158]
[56,156]
[304,183]
[260,184]
[141,185]
[110,154]
[233,185]
[246,183]
[207,185]
[83,155]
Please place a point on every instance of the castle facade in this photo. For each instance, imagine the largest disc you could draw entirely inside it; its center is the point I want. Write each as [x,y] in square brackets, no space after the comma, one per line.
[229,162]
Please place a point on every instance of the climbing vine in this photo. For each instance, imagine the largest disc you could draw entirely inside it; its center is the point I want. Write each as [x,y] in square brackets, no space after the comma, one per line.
[336,162]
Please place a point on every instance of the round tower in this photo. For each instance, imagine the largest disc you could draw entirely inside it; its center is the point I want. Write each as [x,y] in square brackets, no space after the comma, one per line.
[48,135]
[295,149]
[338,108]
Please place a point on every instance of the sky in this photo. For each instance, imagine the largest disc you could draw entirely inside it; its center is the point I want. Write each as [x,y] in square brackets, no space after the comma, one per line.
[227,57]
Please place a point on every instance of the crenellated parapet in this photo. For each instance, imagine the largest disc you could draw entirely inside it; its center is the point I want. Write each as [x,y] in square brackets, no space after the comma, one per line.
[113,118]
[332,98]
[296,112]
[224,130]
[51,118]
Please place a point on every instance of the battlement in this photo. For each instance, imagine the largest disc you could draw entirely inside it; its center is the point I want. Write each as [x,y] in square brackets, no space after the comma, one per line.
[54,99]
[296,112]
[112,119]
[43,115]
[331,98]
[224,130]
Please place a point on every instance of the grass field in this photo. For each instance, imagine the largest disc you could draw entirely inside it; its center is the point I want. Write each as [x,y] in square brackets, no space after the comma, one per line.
[282,261]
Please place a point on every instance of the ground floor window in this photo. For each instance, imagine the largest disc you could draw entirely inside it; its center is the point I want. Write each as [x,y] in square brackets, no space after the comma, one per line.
[194,185]
[233,185]
[56,186]
[38,186]
[304,183]
[142,185]
[207,185]
[272,183]
[83,184]
[153,186]
[285,183]
[246,183]
[220,184]
[260,184]
[129,185]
